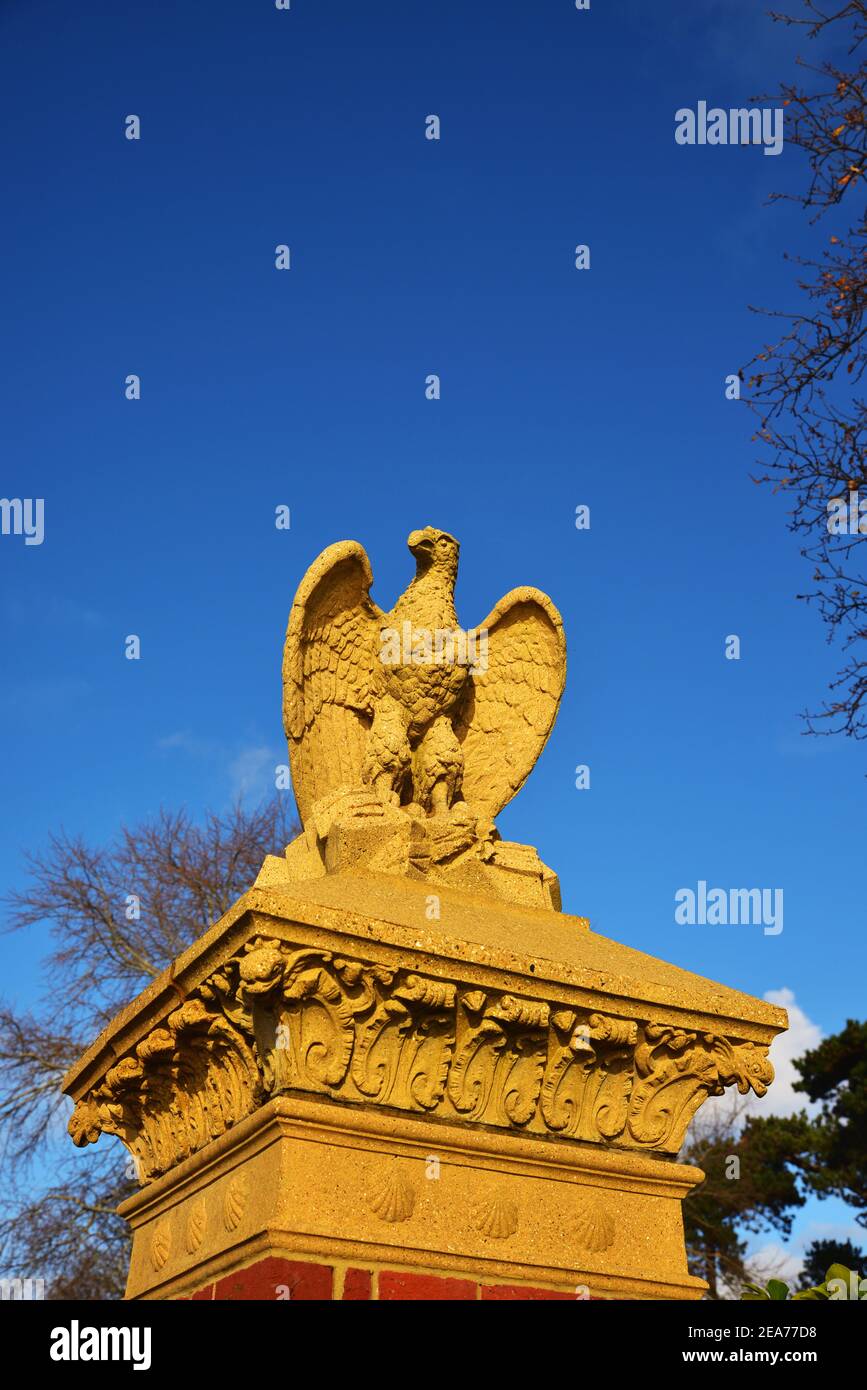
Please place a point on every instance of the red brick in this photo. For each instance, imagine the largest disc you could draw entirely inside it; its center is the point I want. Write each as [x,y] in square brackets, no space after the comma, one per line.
[261,1281]
[502,1291]
[357,1283]
[394,1284]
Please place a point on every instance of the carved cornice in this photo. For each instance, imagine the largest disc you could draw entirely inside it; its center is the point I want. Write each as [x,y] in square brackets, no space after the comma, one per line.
[277,1018]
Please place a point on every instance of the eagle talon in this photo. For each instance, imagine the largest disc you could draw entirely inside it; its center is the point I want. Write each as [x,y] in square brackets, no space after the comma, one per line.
[439,798]
[385,791]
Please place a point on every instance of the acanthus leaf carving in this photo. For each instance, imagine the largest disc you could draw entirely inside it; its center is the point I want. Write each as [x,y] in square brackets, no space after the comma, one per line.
[588,1076]
[499,1060]
[187,1082]
[677,1071]
[280,1017]
[404,1045]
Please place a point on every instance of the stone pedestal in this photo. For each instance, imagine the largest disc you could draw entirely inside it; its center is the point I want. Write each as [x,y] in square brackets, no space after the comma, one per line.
[353,1087]
[350,1190]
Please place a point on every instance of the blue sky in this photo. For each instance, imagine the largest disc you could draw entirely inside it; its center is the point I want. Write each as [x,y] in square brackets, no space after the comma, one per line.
[306,388]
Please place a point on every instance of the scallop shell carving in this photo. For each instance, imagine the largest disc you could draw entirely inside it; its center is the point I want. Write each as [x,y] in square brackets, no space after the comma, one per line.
[161,1244]
[393,1199]
[234,1202]
[593,1228]
[496,1217]
[195,1231]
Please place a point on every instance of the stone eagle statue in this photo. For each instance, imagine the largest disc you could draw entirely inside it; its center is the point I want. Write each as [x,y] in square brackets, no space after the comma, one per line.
[441,723]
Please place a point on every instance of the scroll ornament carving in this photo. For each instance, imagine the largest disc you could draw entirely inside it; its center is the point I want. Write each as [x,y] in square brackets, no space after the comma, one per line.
[279,1018]
[187,1082]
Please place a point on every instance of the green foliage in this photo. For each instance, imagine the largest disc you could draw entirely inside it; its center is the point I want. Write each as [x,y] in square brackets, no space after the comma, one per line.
[782,1160]
[825,1155]
[839,1285]
[821,1254]
[762,1194]
[835,1074]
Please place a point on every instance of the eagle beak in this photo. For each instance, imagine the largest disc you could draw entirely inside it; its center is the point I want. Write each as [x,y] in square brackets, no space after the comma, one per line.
[420,542]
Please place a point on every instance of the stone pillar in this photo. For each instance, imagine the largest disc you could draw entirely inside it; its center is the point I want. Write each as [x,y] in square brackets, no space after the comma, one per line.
[330,1096]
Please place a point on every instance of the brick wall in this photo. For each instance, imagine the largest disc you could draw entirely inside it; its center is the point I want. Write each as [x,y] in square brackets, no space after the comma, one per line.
[273,1279]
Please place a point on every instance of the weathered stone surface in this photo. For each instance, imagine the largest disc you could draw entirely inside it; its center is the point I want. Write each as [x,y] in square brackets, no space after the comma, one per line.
[395,1068]
[407,1198]
[377,1007]
[408,734]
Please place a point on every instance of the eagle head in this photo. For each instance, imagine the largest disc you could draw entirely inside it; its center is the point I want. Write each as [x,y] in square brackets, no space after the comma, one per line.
[434,549]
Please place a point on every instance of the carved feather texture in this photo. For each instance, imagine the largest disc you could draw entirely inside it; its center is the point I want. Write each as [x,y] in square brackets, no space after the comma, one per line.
[509,710]
[503,718]
[328,671]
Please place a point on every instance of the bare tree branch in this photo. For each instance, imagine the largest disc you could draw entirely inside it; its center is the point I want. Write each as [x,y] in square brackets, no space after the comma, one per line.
[805,385]
[118,916]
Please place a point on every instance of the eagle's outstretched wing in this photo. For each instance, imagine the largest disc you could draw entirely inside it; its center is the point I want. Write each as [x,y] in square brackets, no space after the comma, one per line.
[327,673]
[507,712]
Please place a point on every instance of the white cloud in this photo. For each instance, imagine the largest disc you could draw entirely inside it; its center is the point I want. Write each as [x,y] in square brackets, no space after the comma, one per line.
[249,769]
[782,1099]
[767,1259]
[252,772]
[774,1261]
[820,1219]
[802,1035]
[187,742]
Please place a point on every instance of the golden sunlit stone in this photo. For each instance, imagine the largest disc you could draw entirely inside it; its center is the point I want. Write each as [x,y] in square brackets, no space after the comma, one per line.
[395,1052]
